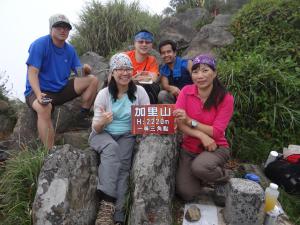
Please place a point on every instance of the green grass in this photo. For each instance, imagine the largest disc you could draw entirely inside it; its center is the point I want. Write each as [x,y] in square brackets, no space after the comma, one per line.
[104,28]
[291,205]
[18,184]
[261,69]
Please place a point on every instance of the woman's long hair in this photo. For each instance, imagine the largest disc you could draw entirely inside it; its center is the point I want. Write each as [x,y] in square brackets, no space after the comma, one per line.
[217,93]
[113,89]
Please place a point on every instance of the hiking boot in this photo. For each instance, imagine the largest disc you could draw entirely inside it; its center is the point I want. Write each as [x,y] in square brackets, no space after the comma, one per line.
[219,195]
[105,213]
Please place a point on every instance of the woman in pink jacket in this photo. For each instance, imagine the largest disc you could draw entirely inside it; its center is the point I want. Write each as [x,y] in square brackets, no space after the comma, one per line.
[203,111]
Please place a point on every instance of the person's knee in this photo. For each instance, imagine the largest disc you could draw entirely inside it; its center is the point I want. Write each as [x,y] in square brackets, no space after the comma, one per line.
[201,170]
[43,111]
[93,81]
[164,97]
[209,172]
[113,148]
[161,96]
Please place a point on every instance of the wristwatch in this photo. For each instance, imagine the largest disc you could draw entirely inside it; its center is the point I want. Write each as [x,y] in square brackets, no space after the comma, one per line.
[194,123]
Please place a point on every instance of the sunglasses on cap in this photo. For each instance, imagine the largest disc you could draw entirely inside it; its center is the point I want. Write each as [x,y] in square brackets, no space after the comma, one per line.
[62,25]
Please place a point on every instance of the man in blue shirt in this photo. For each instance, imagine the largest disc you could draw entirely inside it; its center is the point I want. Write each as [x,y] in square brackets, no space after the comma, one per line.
[175,73]
[50,62]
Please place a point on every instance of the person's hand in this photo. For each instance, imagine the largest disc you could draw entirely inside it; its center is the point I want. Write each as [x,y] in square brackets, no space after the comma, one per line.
[180,114]
[40,97]
[107,117]
[208,143]
[143,73]
[174,91]
[87,69]
[138,78]
[143,76]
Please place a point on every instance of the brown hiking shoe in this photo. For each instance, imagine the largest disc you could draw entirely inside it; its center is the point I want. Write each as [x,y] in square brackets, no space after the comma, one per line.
[105,213]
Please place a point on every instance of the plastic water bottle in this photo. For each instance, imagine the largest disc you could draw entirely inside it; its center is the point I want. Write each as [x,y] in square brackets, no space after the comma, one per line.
[271,218]
[271,195]
[272,157]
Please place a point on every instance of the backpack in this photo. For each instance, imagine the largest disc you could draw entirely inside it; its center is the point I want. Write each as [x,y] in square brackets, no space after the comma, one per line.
[285,174]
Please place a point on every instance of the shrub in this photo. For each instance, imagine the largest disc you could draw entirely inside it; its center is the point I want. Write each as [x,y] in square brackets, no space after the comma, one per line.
[8,115]
[18,186]
[212,6]
[261,69]
[106,28]
[3,90]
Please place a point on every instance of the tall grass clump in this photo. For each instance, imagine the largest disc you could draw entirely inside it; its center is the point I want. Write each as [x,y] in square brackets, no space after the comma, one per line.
[261,68]
[18,184]
[107,28]
[291,205]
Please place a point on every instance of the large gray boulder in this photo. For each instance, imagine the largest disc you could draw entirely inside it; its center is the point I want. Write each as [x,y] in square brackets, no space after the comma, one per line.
[66,192]
[153,180]
[25,130]
[222,21]
[210,36]
[77,138]
[64,118]
[98,63]
[181,28]
[7,118]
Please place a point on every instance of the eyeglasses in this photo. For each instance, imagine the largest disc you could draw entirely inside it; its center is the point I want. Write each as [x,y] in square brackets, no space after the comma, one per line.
[62,26]
[122,70]
[144,42]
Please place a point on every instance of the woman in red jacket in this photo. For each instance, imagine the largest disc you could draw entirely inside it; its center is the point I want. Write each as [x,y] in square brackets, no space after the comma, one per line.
[203,111]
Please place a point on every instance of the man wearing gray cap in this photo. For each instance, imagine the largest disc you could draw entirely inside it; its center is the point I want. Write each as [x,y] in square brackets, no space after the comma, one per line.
[50,62]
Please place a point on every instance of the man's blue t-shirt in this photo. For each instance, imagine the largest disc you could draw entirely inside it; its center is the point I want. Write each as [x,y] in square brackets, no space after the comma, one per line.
[54,64]
[179,76]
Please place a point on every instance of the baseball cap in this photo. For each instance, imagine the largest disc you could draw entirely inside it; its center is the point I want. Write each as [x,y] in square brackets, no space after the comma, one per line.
[58,19]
